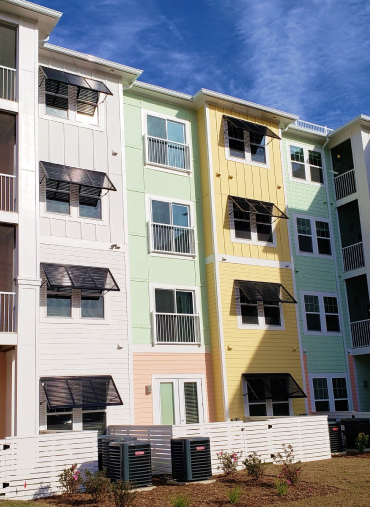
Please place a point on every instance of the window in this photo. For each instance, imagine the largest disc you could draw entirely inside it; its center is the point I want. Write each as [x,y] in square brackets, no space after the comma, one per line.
[58,195]
[248,146]
[247,223]
[94,419]
[170,228]
[92,307]
[330,394]
[321,313]
[7,150]
[89,202]
[306,164]
[175,318]
[258,390]
[313,236]
[260,313]
[166,143]
[59,419]
[56,98]
[87,101]
[59,305]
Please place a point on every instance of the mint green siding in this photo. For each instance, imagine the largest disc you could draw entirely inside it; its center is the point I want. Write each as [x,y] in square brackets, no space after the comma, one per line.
[325,353]
[141,182]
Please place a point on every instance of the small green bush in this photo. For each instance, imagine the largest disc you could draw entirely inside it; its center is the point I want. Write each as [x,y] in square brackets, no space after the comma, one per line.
[122,493]
[281,487]
[70,480]
[254,466]
[234,495]
[361,442]
[97,485]
[180,500]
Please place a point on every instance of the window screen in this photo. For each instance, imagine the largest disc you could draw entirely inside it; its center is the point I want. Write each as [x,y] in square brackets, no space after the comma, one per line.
[191,402]
[331,314]
[59,305]
[312,308]
[57,197]
[340,394]
[297,160]
[323,238]
[304,235]
[321,393]
[56,98]
[314,159]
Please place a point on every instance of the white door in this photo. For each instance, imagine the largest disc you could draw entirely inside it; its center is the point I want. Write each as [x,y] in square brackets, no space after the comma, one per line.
[178,401]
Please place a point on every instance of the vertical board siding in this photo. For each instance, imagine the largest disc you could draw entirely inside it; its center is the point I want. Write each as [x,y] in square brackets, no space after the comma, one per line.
[32,465]
[309,437]
[147,364]
[76,346]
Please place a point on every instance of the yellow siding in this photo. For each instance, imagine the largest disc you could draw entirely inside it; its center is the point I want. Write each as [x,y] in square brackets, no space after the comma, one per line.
[257,351]
[244,180]
[215,344]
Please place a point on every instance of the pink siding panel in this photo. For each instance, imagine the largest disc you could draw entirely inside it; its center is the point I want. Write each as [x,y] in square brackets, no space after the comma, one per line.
[147,364]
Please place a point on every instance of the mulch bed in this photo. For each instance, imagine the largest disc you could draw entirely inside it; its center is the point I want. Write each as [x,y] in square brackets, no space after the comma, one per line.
[354,454]
[254,494]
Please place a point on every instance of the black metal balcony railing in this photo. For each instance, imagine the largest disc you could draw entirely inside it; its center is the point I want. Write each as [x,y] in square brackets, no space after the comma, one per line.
[360,331]
[345,184]
[353,257]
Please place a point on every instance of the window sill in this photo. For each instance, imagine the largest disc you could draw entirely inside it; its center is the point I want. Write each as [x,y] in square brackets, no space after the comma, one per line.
[256,327]
[70,121]
[168,169]
[321,333]
[251,242]
[306,182]
[247,162]
[160,253]
[315,255]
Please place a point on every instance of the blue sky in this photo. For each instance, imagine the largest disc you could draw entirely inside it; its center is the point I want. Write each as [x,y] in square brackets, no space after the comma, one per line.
[308,57]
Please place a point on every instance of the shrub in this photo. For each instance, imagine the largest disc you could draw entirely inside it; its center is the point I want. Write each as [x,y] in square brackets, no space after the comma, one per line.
[180,501]
[228,461]
[70,480]
[281,487]
[97,485]
[234,495]
[289,469]
[254,466]
[122,493]
[361,442]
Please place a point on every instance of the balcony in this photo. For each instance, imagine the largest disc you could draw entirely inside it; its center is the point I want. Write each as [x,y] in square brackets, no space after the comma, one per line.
[8,78]
[172,239]
[7,312]
[360,331]
[345,184]
[176,328]
[353,257]
[167,154]
[7,192]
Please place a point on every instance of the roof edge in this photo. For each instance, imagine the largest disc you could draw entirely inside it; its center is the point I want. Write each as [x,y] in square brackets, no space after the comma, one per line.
[35,8]
[91,59]
[164,91]
[360,117]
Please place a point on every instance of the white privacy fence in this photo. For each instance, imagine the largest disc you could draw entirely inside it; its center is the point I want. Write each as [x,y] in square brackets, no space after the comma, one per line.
[308,435]
[30,466]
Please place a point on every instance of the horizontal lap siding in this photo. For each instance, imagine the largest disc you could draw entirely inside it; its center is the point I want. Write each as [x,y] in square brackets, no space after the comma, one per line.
[148,364]
[2,393]
[257,351]
[85,346]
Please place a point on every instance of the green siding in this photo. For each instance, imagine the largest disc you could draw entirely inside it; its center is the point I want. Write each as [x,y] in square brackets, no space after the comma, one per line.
[142,181]
[325,354]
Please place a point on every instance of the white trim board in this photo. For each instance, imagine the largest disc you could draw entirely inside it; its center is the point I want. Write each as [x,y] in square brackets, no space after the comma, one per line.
[248,261]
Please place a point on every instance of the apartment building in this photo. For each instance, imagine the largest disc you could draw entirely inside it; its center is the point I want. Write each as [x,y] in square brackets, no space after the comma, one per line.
[65,360]
[252,302]
[317,254]
[172,365]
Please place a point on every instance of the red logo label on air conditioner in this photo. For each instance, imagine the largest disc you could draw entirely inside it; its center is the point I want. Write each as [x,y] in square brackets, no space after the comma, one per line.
[139,453]
[201,448]
[335,429]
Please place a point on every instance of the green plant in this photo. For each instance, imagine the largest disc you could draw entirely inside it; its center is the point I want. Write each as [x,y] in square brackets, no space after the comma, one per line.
[228,461]
[122,493]
[290,470]
[254,466]
[97,485]
[281,487]
[362,442]
[180,500]
[234,495]
[70,480]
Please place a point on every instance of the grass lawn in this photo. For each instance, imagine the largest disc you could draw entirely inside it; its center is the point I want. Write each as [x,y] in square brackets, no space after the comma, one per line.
[338,482]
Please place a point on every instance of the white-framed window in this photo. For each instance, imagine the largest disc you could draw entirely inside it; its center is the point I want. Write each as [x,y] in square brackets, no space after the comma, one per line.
[258,402]
[94,419]
[74,304]
[243,146]
[171,230]
[306,164]
[329,393]
[312,236]
[258,314]
[178,400]
[166,142]
[251,227]
[175,319]
[321,313]
[78,201]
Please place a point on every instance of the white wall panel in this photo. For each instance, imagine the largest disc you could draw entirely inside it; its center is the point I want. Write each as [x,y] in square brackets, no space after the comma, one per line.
[56,142]
[86,148]
[71,145]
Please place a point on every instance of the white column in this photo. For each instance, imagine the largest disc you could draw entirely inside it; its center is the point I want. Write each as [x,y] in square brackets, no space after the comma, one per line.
[10,394]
